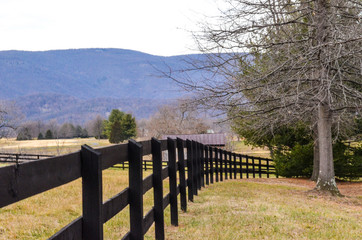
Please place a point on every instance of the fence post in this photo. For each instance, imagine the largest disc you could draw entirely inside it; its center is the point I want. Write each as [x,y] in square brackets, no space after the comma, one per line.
[190,174]
[202,164]
[241,166]
[92,194]
[226,165]
[221,165]
[199,160]
[234,155]
[157,188]
[230,165]
[217,170]
[171,148]
[195,168]
[135,190]
[181,163]
[259,167]
[211,163]
[253,162]
[247,166]
[207,163]
[267,167]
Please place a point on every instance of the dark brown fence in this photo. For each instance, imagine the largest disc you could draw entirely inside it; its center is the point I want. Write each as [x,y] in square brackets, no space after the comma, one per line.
[20,157]
[253,167]
[204,165]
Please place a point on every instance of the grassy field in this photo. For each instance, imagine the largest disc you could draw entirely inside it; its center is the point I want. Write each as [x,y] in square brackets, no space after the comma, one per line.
[240,147]
[271,209]
[63,146]
[49,146]
[233,209]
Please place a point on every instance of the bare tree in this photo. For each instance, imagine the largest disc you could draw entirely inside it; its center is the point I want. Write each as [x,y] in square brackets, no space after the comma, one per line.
[33,127]
[278,62]
[67,130]
[10,118]
[96,126]
[53,126]
[175,119]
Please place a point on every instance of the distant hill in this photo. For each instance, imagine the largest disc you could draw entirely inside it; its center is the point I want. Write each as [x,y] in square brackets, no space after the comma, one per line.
[77,84]
[65,108]
[86,73]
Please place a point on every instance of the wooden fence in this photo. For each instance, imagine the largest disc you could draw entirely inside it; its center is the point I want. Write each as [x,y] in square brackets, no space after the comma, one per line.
[204,165]
[250,165]
[20,157]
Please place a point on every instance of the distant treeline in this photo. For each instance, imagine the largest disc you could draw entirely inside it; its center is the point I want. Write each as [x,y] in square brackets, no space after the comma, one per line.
[50,130]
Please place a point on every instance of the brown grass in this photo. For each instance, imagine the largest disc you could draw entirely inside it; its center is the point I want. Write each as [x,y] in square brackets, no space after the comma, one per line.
[233,209]
[49,146]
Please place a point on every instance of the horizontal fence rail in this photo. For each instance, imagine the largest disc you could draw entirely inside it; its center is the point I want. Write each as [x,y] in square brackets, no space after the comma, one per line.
[21,157]
[195,164]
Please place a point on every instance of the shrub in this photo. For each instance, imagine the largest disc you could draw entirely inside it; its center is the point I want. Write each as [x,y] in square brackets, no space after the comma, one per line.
[298,162]
[347,161]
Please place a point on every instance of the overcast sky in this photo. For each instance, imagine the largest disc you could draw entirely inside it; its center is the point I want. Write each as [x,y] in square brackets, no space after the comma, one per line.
[157,27]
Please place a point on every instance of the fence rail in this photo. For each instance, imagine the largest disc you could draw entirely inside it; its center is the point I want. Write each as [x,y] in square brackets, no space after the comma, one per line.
[204,165]
[261,166]
[21,157]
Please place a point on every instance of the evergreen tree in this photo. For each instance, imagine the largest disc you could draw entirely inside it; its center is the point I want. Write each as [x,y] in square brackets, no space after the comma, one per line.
[119,126]
[40,136]
[129,128]
[49,134]
[116,132]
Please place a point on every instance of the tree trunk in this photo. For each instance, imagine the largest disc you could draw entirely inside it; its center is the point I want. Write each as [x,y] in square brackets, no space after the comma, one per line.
[326,181]
[315,154]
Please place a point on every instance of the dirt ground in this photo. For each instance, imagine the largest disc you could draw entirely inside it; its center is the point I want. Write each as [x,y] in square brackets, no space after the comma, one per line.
[346,188]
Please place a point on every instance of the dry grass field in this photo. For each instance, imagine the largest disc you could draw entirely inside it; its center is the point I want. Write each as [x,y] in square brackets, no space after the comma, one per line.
[233,209]
[49,146]
[240,147]
[271,209]
[63,146]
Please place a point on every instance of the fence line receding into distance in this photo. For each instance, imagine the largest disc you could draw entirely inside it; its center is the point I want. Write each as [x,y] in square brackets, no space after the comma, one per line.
[197,165]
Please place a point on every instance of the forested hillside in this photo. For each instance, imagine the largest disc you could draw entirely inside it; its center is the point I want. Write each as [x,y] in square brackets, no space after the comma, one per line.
[76,84]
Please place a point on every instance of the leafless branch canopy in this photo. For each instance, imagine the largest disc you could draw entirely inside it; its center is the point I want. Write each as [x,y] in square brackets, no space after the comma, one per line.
[281,59]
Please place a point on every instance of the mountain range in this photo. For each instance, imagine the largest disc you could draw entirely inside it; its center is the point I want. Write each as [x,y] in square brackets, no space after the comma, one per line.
[76,84]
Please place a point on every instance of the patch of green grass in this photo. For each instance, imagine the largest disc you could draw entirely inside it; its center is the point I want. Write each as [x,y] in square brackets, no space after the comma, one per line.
[245,210]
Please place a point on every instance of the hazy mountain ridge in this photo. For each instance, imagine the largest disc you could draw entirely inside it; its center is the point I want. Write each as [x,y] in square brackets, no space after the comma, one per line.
[65,108]
[76,84]
[86,73]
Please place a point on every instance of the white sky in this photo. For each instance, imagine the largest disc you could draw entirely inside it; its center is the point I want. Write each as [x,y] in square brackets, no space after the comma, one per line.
[157,27]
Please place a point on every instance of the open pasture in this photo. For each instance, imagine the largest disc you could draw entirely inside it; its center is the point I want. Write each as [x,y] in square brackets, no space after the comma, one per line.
[271,209]
[49,146]
[240,147]
[233,209]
